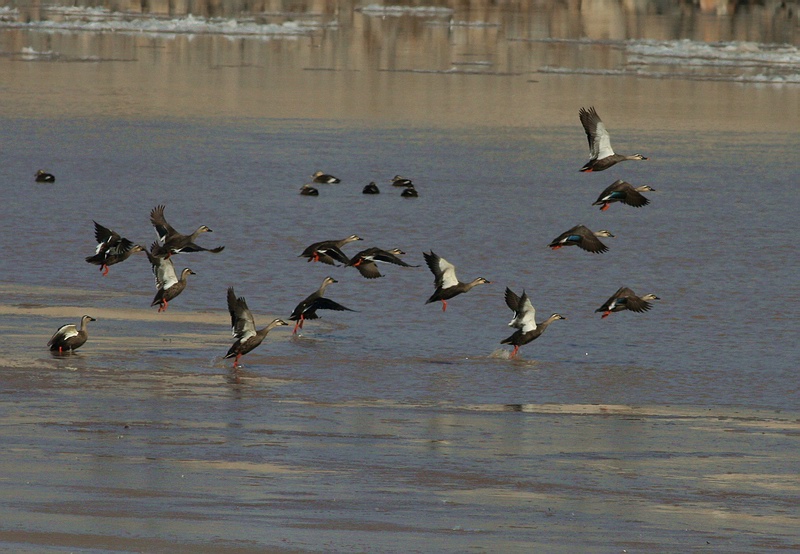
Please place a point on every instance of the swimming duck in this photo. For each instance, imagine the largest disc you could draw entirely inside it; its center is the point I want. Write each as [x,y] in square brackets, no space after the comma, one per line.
[399,181]
[168,284]
[69,337]
[524,321]
[43,177]
[371,188]
[320,177]
[602,155]
[409,192]
[308,190]
[447,284]
[243,327]
[329,251]
[111,248]
[365,260]
[626,299]
[622,191]
[172,241]
[307,309]
[582,237]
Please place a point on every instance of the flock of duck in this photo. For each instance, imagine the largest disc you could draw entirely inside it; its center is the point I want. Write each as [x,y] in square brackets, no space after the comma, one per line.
[409,190]
[112,249]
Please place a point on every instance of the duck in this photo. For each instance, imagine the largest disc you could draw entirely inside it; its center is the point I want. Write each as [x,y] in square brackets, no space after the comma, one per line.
[524,321]
[69,337]
[307,309]
[169,285]
[400,181]
[320,177]
[409,192]
[602,155]
[365,260]
[371,188]
[329,251]
[622,191]
[172,241]
[243,327]
[42,176]
[445,280]
[626,299]
[111,248]
[308,190]
[581,236]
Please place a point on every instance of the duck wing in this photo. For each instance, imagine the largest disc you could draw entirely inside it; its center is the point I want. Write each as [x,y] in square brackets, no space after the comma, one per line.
[367,268]
[633,197]
[106,238]
[163,229]
[164,271]
[443,271]
[323,303]
[389,258]
[609,304]
[192,247]
[524,315]
[243,326]
[512,299]
[64,332]
[596,133]
[627,298]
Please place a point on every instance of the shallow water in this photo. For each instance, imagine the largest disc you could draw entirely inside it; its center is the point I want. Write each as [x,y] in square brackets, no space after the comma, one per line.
[399,427]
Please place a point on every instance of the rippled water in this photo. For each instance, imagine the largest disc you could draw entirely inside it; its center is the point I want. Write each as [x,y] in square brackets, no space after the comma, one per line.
[397,427]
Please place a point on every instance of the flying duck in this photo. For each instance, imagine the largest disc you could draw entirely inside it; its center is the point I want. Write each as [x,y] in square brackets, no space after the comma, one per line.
[365,260]
[409,192]
[308,190]
[243,327]
[168,284]
[524,321]
[581,236]
[43,177]
[329,251]
[371,188]
[399,181]
[111,248]
[447,284]
[172,241]
[626,299]
[602,155]
[69,337]
[320,177]
[307,309]
[622,191]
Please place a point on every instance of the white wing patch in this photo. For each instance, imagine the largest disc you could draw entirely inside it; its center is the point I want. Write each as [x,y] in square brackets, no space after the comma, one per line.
[602,142]
[449,278]
[525,317]
[165,274]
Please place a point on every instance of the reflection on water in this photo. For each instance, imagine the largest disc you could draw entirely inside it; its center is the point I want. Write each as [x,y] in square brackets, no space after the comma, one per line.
[400,428]
[482,37]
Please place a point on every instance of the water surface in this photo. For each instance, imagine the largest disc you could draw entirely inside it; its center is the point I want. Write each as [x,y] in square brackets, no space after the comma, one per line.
[399,427]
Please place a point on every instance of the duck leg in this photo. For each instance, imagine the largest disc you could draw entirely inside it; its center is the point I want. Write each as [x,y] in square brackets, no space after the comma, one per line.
[236,361]
[444,305]
[604,207]
[606,314]
[163,306]
[514,353]
[556,247]
[299,324]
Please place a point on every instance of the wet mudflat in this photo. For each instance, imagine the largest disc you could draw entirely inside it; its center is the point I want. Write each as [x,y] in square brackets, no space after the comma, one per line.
[398,428]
